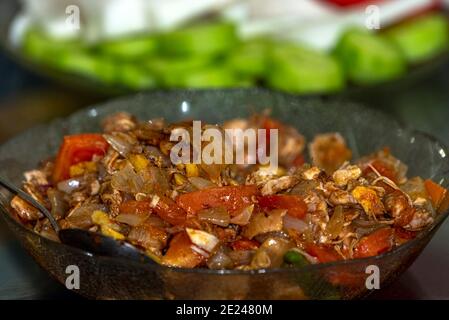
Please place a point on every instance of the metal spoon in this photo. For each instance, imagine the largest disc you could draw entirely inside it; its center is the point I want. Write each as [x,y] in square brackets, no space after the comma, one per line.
[82,239]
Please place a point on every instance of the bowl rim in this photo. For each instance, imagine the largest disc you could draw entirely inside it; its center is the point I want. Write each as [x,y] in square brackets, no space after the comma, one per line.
[441,217]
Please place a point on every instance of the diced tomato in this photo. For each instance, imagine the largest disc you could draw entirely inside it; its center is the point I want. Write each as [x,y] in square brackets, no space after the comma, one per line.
[245,244]
[323,253]
[136,207]
[294,204]
[180,253]
[438,195]
[375,243]
[233,198]
[169,211]
[384,169]
[403,234]
[299,160]
[75,149]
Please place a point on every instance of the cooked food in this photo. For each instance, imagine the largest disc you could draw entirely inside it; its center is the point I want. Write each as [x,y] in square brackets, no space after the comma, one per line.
[124,184]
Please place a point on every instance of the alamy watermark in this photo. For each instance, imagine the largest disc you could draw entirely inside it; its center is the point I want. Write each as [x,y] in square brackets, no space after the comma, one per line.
[73,18]
[228,146]
[372,21]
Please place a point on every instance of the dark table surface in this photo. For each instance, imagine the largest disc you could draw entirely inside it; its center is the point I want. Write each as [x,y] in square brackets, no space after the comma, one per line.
[422,104]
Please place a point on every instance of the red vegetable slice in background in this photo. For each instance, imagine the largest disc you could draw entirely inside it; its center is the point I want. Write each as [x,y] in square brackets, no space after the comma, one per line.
[233,198]
[375,243]
[294,204]
[76,149]
[180,253]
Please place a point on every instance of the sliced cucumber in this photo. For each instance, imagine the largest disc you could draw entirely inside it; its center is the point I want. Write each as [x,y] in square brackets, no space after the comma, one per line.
[39,46]
[210,77]
[85,63]
[135,77]
[250,58]
[422,38]
[202,39]
[171,70]
[130,48]
[368,58]
[300,70]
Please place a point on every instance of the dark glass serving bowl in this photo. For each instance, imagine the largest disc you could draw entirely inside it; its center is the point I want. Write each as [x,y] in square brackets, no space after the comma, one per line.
[365,130]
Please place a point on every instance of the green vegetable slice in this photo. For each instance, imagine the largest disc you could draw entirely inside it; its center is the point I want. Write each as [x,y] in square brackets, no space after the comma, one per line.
[85,63]
[210,77]
[171,70]
[422,38]
[129,48]
[202,39]
[250,58]
[135,77]
[369,58]
[300,70]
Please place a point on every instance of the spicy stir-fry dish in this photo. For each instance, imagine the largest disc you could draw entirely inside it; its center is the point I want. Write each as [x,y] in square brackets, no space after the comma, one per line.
[122,183]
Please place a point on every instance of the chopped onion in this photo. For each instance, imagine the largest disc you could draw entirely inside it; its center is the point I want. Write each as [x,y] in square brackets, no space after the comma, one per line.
[262,224]
[336,222]
[200,251]
[241,257]
[120,142]
[220,260]
[127,180]
[70,185]
[154,153]
[58,205]
[271,252]
[81,217]
[132,219]
[217,215]
[201,183]
[202,239]
[295,223]
[242,219]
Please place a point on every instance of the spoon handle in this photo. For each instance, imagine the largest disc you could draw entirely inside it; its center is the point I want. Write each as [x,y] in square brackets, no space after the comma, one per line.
[25,196]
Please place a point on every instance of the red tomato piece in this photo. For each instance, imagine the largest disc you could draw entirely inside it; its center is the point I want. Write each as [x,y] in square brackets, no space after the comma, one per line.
[245,244]
[136,207]
[75,149]
[375,243]
[294,204]
[323,253]
[233,198]
[168,210]
[438,195]
[180,253]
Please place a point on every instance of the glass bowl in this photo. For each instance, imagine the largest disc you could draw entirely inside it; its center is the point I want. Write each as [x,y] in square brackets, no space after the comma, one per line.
[365,130]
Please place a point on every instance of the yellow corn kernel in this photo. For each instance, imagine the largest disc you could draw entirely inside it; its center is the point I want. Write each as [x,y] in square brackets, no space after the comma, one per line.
[179,179]
[180,166]
[109,232]
[138,161]
[369,200]
[81,168]
[192,170]
[100,218]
